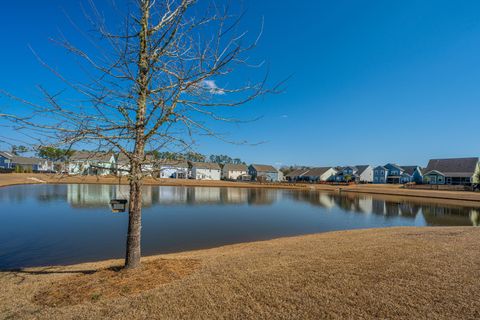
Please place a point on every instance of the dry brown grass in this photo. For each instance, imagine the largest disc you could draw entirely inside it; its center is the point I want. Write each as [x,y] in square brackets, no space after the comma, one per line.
[405,273]
[113,282]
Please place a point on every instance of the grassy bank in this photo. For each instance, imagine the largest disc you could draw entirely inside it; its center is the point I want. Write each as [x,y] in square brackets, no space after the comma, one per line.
[381,273]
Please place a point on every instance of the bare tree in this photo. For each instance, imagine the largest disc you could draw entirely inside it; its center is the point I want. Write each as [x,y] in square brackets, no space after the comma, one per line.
[153,85]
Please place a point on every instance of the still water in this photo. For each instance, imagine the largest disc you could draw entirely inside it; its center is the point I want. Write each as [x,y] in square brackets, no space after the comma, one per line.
[63,224]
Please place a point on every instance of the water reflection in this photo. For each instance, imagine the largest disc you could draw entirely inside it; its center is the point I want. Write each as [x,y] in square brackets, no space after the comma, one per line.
[99,196]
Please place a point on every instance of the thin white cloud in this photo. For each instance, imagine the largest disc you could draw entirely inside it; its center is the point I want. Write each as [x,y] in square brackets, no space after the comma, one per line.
[212,87]
[284,116]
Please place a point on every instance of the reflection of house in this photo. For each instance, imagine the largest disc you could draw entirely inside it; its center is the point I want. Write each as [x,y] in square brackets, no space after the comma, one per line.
[172,195]
[205,171]
[175,169]
[11,161]
[233,171]
[261,196]
[261,172]
[359,173]
[393,173]
[204,195]
[234,195]
[452,171]
[90,195]
[87,162]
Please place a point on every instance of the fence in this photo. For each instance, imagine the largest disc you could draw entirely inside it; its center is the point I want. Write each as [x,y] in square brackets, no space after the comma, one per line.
[446,187]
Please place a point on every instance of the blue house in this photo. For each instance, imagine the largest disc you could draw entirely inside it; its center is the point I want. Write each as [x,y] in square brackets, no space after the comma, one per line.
[395,174]
[6,160]
[260,172]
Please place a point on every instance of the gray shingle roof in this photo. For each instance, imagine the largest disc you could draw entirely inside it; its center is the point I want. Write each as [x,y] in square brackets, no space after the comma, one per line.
[410,169]
[264,168]
[205,165]
[234,167]
[297,173]
[455,167]
[317,172]
[91,155]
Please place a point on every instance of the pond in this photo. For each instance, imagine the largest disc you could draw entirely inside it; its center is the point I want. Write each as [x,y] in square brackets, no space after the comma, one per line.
[64,224]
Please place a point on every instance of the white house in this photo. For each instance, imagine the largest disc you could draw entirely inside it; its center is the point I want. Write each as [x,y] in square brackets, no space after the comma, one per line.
[205,171]
[234,171]
[94,163]
[176,169]
[122,165]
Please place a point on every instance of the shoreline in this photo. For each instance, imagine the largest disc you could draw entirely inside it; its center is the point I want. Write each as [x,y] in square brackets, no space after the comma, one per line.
[465,197]
[339,274]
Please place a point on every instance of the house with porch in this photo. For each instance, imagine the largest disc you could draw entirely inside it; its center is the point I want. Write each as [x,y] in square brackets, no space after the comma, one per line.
[455,171]
[358,173]
[262,172]
[205,171]
[232,171]
[395,174]
[10,161]
[91,163]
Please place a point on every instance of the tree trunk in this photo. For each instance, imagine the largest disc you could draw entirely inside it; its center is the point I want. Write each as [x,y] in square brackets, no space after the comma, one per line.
[133,255]
[134,251]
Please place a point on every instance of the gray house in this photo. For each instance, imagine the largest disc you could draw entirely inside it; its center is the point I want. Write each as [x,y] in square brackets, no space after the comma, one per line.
[261,172]
[457,171]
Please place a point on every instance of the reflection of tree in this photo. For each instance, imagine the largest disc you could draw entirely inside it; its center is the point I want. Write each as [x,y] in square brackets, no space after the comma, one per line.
[261,196]
[440,215]
[475,217]
[392,208]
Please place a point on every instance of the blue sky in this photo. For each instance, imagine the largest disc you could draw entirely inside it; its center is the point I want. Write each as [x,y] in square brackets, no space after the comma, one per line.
[373,82]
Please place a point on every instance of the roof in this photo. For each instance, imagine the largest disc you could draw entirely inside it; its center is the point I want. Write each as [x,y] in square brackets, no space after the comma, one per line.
[205,165]
[410,169]
[380,167]
[456,167]
[6,154]
[263,168]
[361,168]
[91,155]
[26,160]
[317,172]
[172,163]
[234,167]
[297,173]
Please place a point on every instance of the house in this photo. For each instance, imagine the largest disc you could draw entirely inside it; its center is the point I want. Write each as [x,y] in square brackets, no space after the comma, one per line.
[358,173]
[122,165]
[176,169]
[11,161]
[89,162]
[232,171]
[205,171]
[312,174]
[395,174]
[320,174]
[295,174]
[457,171]
[261,172]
